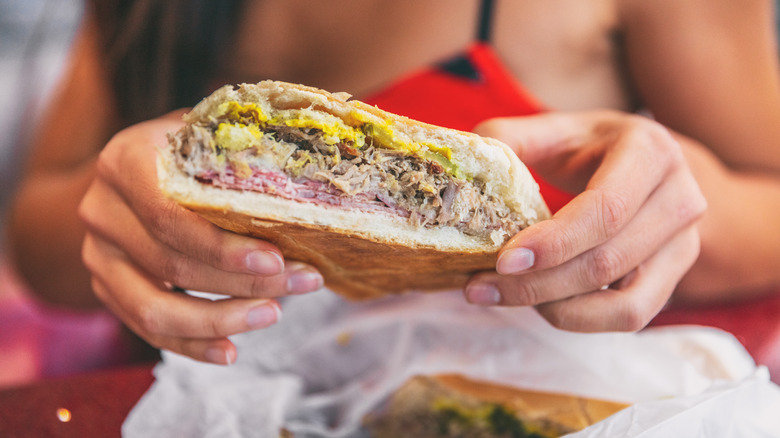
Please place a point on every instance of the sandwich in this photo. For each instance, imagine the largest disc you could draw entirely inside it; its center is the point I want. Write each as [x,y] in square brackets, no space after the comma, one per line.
[379,203]
[454,406]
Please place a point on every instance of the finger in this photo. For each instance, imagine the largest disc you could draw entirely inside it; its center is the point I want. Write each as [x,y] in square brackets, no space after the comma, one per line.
[631,305]
[152,311]
[673,207]
[554,140]
[214,350]
[118,225]
[537,138]
[219,351]
[613,196]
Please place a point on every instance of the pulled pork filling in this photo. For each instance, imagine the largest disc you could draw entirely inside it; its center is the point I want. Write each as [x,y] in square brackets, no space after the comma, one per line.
[299,164]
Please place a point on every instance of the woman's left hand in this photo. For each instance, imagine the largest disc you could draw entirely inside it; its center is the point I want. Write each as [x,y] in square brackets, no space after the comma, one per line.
[610,259]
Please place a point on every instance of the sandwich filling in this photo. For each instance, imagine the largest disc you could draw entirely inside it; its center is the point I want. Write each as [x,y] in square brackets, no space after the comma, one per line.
[312,156]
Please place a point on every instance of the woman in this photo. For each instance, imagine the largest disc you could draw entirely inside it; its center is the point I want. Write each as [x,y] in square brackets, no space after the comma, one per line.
[611,257]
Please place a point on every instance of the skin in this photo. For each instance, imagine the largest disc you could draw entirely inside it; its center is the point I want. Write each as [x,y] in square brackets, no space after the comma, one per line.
[661,204]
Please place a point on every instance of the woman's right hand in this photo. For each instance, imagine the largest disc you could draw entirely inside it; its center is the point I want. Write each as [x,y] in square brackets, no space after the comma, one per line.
[139,244]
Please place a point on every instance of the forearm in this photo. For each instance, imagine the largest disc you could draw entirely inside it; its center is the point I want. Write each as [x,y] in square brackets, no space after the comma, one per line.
[740,235]
[45,235]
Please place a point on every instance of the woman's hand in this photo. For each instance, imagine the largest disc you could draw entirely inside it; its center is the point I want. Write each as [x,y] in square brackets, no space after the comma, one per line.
[140,244]
[611,258]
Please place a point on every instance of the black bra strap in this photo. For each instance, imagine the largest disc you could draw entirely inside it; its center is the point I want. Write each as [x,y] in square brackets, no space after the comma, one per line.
[461,65]
[485,21]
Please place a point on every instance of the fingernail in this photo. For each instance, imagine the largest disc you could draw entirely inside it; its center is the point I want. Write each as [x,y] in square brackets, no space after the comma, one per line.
[263,316]
[264,262]
[304,280]
[484,294]
[217,356]
[514,261]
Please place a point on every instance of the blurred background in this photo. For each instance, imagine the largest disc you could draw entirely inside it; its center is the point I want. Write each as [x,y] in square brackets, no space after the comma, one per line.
[37,341]
[34,38]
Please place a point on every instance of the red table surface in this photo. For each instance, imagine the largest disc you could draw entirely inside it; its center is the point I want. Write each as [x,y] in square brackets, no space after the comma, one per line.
[98,403]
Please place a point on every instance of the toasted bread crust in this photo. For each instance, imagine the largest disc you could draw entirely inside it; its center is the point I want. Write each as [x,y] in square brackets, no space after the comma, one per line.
[354,265]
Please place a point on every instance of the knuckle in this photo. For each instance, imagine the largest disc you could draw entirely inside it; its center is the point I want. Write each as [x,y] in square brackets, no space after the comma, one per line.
[149,319]
[104,166]
[653,130]
[167,225]
[555,319]
[613,211]
[157,341]
[557,316]
[98,289]
[665,145]
[177,270]
[215,326]
[164,219]
[88,255]
[109,163]
[182,346]
[694,243]
[84,210]
[95,258]
[217,255]
[258,287]
[632,317]
[693,207]
[558,244]
[91,210]
[656,140]
[193,348]
[691,244]
[700,204]
[606,265]
[524,292]
[690,212]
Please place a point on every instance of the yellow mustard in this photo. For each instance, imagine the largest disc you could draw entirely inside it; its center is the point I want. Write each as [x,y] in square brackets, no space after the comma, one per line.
[236,111]
[335,132]
[238,136]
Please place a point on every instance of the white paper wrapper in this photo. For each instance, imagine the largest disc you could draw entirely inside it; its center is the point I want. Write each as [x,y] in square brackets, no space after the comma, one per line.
[329,362]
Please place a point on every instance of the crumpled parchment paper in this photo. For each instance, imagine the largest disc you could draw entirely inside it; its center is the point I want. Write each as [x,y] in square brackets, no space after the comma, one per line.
[329,362]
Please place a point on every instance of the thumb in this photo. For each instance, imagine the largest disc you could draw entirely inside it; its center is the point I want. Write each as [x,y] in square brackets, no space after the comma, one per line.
[535,139]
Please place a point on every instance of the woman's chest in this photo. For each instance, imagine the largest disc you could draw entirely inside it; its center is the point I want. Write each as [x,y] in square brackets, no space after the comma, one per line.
[563,51]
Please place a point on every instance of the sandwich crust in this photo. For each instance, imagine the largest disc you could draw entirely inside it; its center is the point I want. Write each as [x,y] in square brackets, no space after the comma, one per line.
[360,254]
